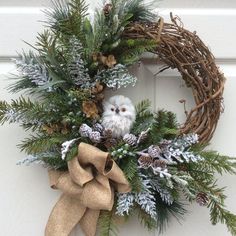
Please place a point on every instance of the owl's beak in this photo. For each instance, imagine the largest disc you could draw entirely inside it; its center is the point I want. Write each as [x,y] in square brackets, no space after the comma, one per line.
[117,110]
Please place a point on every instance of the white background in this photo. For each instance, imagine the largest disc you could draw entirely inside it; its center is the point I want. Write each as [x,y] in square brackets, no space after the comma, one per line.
[26,199]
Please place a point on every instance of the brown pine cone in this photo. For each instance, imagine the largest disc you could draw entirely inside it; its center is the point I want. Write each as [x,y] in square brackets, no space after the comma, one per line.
[145,161]
[202,199]
[159,163]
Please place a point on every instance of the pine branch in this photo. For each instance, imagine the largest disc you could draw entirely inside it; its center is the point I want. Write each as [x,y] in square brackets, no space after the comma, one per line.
[107,226]
[214,162]
[145,219]
[129,51]
[42,143]
[139,9]
[165,211]
[32,73]
[164,126]
[144,117]
[130,168]
[67,17]
[219,214]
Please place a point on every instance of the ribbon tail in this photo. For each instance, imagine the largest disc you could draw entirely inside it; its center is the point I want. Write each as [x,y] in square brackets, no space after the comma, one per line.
[88,223]
[65,216]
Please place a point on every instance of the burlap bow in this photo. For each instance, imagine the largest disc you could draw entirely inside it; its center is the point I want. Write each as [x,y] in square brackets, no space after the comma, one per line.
[87,187]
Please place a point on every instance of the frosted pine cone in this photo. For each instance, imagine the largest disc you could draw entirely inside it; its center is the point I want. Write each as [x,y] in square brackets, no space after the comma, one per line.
[159,164]
[154,151]
[130,139]
[98,127]
[202,199]
[95,137]
[85,130]
[145,161]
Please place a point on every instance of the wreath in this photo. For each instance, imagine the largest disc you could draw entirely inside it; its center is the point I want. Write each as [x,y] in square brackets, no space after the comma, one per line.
[109,157]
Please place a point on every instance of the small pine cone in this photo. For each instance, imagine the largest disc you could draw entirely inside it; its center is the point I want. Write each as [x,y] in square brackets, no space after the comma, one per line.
[130,139]
[98,127]
[95,137]
[159,164]
[145,161]
[143,135]
[85,130]
[107,133]
[154,151]
[110,143]
[202,199]
[107,9]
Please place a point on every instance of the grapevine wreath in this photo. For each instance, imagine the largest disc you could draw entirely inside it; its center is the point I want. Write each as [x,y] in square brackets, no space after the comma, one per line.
[109,158]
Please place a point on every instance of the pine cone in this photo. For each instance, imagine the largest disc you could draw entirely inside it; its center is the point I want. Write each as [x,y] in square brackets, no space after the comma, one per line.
[85,130]
[202,199]
[154,151]
[143,135]
[145,161]
[130,139]
[98,127]
[107,133]
[159,164]
[95,137]
[110,143]
[107,9]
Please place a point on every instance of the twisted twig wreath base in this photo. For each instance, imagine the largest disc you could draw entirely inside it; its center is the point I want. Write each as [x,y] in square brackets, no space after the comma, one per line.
[185,51]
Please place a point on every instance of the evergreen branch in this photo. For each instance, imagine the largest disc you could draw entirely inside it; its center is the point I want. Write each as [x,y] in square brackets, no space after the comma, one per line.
[130,168]
[42,143]
[144,117]
[145,219]
[214,162]
[67,17]
[129,51]
[107,226]
[138,9]
[54,161]
[165,211]
[219,214]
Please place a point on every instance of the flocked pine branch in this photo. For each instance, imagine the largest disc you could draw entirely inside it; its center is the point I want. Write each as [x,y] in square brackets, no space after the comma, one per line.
[32,72]
[116,77]
[76,65]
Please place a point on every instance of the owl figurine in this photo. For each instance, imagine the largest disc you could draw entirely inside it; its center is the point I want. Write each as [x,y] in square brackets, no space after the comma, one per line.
[118,115]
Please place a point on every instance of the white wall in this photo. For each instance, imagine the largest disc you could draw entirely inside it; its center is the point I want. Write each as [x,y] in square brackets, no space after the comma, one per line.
[26,199]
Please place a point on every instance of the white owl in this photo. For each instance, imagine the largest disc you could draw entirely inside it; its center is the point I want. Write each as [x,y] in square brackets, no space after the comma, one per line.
[118,115]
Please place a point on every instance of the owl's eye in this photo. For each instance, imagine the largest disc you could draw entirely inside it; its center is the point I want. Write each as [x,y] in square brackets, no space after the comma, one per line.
[112,109]
[123,109]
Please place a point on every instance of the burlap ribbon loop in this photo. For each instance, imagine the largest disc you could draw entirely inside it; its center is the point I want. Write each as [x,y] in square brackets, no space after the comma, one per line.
[88,187]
